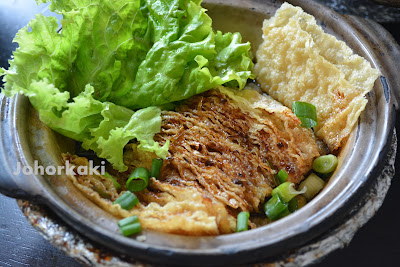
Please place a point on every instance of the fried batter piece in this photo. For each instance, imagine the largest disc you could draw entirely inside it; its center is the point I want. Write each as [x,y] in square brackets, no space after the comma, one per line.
[225,149]
[298,61]
[163,207]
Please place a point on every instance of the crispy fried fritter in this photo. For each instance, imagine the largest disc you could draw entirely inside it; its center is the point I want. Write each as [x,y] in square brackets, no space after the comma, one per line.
[298,61]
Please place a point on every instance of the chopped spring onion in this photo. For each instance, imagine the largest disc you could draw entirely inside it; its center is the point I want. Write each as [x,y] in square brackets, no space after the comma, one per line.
[131,229]
[297,203]
[313,185]
[130,226]
[285,213]
[301,201]
[128,220]
[127,201]
[293,205]
[307,113]
[325,176]
[101,192]
[138,180]
[276,208]
[325,164]
[116,184]
[242,221]
[282,176]
[156,168]
[287,191]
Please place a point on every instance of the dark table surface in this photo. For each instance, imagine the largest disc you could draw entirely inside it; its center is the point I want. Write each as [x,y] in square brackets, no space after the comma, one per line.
[376,244]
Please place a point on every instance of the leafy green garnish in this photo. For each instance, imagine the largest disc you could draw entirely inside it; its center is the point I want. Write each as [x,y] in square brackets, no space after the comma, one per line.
[103,127]
[306,112]
[116,55]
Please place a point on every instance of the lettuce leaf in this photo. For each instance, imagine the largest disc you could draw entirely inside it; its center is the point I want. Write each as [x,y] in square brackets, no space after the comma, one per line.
[187,57]
[142,53]
[112,57]
[103,127]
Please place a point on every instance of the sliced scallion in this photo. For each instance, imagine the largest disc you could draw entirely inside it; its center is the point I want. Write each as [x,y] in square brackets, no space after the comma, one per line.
[293,205]
[325,164]
[127,201]
[131,229]
[301,201]
[115,183]
[242,221]
[101,192]
[282,176]
[128,220]
[325,176]
[313,185]
[138,180]
[286,191]
[306,112]
[285,213]
[130,225]
[156,168]
[276,207]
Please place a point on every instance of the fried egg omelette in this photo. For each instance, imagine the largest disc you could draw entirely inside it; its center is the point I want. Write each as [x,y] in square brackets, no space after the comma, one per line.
[226,146]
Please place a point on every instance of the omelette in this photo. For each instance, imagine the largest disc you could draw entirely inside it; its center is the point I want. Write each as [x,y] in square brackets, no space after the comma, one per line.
[226,146]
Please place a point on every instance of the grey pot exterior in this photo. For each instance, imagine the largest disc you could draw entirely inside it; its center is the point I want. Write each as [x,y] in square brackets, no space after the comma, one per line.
[25,139]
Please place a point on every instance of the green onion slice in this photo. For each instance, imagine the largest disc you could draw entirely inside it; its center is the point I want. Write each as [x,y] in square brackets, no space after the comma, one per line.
[307,113]
[127,201]
[156,168]
[128,220]
[276,208]
[285,213]
[101,192]
[116,184]
[313,184]
[325,164]
[301,201]
[131,229]
[282,176]
[130,225]
[287,191]
[242,221]
[293,205]
[138,180]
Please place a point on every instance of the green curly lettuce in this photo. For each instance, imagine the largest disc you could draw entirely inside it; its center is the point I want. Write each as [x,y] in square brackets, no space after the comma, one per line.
[103,127]
[112,57]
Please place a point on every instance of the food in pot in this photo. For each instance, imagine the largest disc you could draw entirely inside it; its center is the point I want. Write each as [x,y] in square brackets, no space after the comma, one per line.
[225,146]
[299,62]
[187,155]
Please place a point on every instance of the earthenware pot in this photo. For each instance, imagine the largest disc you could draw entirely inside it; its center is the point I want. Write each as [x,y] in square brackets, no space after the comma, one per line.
[24,139]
